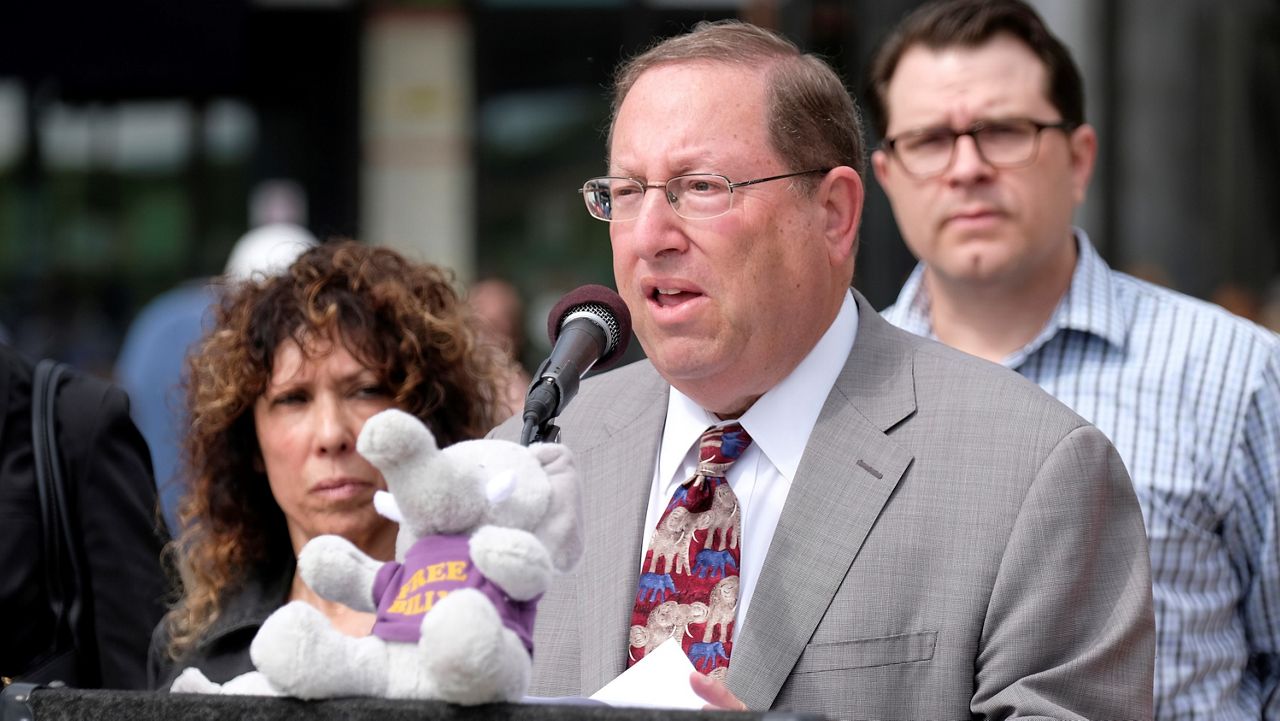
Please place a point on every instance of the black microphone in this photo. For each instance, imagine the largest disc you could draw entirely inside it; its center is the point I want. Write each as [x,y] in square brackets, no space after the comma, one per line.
[589,328]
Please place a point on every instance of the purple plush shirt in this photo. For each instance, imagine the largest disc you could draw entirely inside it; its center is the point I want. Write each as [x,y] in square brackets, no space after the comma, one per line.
[433,568]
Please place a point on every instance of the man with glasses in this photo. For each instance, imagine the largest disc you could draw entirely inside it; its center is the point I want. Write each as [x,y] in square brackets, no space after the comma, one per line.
[889,528]
[986,156]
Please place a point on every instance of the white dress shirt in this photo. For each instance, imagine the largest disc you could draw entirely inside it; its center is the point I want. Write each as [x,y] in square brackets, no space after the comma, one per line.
[779,424]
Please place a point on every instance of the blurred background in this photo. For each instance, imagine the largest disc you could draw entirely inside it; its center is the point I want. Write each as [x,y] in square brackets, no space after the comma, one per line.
[135,134]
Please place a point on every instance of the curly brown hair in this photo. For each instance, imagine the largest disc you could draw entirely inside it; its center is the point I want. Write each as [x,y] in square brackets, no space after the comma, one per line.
[404,321]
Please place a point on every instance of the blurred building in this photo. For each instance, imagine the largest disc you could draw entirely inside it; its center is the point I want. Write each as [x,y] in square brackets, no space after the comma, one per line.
[131,134]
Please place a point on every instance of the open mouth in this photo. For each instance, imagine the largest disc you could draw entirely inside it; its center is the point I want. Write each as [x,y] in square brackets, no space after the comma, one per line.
[668,298]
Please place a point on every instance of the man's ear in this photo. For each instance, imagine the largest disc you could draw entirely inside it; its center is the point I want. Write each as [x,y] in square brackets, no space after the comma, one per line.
[841,196]
[880,166]
[1084,153]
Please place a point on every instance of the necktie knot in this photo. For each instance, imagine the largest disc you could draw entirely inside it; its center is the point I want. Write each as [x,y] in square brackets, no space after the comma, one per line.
[718,448]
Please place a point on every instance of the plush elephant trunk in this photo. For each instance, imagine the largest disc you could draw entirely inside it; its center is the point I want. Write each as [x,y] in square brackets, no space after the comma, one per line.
[393,439]
[425,483]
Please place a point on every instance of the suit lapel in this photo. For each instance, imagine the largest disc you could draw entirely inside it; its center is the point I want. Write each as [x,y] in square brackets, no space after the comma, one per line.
[618,475]
[848,472]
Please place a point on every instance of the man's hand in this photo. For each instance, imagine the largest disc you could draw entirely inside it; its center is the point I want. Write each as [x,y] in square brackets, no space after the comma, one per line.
[716,694]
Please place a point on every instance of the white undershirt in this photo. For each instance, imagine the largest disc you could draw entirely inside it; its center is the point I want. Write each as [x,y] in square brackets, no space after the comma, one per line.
[779,424]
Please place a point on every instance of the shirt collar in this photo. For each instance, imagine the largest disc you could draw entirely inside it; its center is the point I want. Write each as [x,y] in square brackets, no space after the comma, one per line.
[1089,305]
[910,311]
[781,420]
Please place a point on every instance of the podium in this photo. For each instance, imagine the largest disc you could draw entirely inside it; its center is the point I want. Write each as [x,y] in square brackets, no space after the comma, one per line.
[25,702]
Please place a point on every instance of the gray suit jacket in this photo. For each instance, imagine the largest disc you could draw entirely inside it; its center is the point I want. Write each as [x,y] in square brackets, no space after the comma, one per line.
[956,543]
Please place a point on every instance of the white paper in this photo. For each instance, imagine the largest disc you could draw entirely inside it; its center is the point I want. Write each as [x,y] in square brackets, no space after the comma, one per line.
[659,680]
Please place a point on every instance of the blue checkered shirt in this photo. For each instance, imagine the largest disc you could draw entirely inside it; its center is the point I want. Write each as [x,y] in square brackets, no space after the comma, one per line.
[1190,396]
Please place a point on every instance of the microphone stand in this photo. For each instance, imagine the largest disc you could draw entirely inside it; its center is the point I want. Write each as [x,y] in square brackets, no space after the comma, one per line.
[544,431]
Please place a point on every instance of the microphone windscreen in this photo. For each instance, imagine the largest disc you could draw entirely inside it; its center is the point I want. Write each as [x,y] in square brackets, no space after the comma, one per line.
[603,302]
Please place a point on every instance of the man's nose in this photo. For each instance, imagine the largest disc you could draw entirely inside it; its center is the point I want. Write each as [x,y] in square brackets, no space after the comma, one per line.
[657,229]
[967,162]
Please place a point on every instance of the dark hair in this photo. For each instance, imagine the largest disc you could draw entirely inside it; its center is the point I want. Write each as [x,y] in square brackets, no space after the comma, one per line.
[970,23]
[402,320]
[813,121]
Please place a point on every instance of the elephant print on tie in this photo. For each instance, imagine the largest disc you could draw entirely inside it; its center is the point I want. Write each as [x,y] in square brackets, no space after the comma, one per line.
[722,520]
[655,585]
[670,544]
[724,602]
[667,620]
[716,563]
[702,522]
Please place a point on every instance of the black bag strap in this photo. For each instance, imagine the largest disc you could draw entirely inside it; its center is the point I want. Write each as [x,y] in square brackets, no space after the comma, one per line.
[63,565]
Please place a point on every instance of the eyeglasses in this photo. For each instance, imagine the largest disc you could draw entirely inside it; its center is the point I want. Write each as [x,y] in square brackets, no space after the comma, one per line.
[1006,143]
[696,196]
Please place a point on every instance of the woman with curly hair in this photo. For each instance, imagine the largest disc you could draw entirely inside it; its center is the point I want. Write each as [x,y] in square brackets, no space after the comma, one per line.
[277,393]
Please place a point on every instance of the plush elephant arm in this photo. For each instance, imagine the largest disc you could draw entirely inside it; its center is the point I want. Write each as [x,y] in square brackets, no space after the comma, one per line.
[561,528]
[334,568]
[513,559]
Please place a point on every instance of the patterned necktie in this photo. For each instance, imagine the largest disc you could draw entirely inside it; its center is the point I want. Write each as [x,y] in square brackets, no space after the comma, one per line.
[689,581]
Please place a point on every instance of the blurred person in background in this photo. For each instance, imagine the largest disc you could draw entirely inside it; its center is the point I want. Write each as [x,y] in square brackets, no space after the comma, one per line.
[277,394]
[500,314]
[111,499]
[986,155]
[153,354]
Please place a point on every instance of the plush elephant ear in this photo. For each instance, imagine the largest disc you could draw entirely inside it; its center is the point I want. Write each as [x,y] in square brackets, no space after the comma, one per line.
[515,484]
[561,528]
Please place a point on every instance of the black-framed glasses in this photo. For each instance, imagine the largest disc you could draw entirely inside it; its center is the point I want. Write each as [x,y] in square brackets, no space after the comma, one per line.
[1003,143]
[696,196]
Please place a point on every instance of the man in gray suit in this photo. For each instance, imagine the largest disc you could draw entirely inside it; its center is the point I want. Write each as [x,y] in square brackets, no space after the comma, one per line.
[924,535]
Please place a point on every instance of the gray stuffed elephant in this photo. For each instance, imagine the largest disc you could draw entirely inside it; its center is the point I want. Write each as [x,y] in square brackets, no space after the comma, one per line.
[485,527]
